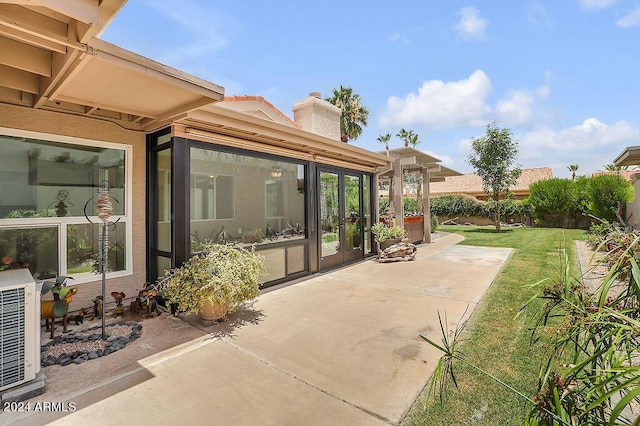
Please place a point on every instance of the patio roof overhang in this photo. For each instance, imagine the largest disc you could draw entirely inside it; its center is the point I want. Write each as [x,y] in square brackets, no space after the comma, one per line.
[236,129]
[51,59]
[415,160]
[629,157]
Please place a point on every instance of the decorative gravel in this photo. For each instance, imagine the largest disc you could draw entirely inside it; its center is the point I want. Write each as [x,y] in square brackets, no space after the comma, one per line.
[81,346]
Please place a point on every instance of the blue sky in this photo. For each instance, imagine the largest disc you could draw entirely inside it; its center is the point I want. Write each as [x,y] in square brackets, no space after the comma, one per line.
[563,75]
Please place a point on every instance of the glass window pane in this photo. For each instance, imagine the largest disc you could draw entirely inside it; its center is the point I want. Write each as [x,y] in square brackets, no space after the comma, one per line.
[274,260]
[235,197]
[163,208]
[366,210]
[352,212]
[329,214]
[83,249]
[295,259]
[164,264]
[35,248]
[45,178]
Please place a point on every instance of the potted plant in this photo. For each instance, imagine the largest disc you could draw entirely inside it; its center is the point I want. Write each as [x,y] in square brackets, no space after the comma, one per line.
[386,236]
[215,281]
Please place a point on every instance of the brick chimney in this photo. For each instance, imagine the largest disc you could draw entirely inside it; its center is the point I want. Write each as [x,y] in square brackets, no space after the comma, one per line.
[318,116]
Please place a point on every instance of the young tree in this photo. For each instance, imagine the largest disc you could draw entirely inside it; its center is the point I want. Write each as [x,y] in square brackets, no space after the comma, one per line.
[354,114]
[385,140]
[573,168]
[493,158]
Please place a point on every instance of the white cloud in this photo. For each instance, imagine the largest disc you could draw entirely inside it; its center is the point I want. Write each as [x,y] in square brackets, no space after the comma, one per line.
[538,15]
[444,159]
[463,103]
[590,144]
[397,38]
[471,25]
[596,4]
[440,104]
[516,109]
[631,19]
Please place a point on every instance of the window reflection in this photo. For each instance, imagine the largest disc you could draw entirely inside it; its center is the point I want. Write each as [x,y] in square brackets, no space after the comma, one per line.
[33,248]
[235,197]
[55,179]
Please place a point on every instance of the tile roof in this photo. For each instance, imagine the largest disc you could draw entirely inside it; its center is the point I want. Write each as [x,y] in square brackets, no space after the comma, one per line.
[626,174]
[471,183]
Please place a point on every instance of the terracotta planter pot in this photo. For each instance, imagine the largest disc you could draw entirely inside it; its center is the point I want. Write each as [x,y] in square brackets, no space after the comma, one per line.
[211,313]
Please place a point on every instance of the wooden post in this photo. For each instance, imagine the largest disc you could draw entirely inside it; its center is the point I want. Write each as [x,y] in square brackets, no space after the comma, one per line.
[426,204]
[398,205]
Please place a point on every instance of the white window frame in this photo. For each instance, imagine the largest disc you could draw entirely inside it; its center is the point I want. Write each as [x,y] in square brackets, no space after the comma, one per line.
[62,222]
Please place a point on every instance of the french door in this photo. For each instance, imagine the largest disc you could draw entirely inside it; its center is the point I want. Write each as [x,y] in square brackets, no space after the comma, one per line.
[340,219]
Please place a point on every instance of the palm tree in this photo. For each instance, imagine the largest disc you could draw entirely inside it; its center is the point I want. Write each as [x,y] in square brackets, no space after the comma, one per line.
[413,141]
[354,114]
[614,168]
[573,168]
[409,137]
[385,140]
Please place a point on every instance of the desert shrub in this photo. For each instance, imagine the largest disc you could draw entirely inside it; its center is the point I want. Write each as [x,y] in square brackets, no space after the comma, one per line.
[553,202]
[606,193]
[460,205]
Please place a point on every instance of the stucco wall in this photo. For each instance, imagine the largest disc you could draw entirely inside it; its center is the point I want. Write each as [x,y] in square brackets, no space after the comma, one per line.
[71,125]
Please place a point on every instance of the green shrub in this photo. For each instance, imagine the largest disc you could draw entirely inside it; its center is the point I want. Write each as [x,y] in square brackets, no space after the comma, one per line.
[460,205]
[434,223]
[382,232]
[606,193]
[554,203]
[410,205]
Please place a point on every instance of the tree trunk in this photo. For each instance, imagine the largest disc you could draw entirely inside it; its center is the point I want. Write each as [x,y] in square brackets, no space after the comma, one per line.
[497,198]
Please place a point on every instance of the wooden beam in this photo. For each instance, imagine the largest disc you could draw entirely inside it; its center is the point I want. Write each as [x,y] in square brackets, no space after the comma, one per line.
[100,105]
[60,66]
[19,80]
[24,57]
[81,10]
[16,97]
[22,17]
[31,39]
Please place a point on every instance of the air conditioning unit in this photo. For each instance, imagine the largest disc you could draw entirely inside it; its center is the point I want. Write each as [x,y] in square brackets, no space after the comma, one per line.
[19,328]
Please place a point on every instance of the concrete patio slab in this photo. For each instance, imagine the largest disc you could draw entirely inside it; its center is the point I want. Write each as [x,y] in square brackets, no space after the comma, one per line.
[339,348]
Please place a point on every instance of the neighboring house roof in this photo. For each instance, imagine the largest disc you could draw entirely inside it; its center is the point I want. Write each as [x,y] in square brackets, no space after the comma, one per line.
[258,107]
[628,175]
[471,183]
[51,58]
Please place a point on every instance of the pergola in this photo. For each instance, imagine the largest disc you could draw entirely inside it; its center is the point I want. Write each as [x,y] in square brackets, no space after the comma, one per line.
[415,161]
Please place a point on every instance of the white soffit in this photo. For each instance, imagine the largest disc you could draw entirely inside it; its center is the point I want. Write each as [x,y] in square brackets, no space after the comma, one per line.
[50,59]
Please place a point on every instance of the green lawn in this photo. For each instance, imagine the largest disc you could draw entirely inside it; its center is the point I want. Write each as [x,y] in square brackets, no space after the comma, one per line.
[494,339]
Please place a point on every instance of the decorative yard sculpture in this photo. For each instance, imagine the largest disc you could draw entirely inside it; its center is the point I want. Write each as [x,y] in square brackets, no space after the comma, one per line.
[59,306]
[104,209]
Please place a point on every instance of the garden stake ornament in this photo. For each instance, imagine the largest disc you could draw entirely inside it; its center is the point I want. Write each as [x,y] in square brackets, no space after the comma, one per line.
[104,209]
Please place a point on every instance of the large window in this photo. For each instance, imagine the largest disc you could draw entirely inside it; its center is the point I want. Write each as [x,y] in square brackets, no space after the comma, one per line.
[236,197]
[211,196]
[47,184]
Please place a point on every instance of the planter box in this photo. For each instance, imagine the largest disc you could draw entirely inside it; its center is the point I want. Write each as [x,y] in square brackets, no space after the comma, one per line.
[414,226]
[414,219]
